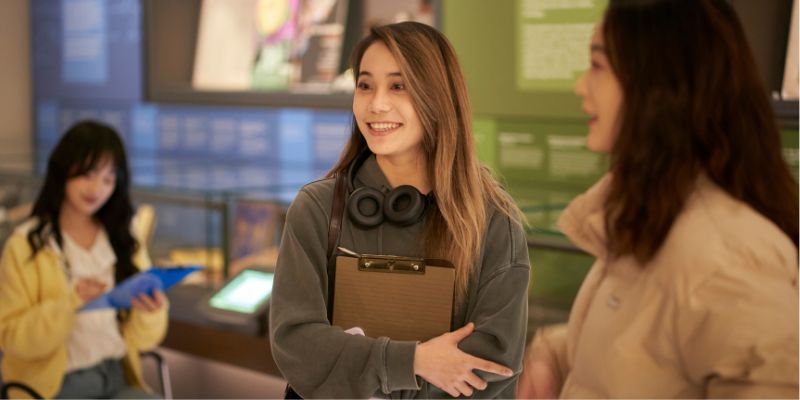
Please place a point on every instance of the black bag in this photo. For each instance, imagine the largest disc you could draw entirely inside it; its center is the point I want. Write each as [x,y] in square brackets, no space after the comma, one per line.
[334,231]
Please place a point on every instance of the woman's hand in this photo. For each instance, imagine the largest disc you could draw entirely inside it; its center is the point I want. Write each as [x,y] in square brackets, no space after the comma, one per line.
[537,381]
[146,303]
[440,362]
[89,289]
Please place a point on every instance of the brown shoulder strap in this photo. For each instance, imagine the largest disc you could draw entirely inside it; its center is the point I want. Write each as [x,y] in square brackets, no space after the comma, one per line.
[337,210]
[334,231]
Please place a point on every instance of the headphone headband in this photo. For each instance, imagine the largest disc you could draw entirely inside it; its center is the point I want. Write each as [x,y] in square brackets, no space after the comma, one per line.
[367,206]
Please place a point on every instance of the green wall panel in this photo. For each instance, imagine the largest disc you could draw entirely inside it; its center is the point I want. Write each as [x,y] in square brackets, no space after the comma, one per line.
[484,130]
[547,153]
[484,34]
[791,142]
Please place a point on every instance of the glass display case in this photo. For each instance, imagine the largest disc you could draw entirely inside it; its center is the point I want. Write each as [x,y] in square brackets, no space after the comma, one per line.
[222,229]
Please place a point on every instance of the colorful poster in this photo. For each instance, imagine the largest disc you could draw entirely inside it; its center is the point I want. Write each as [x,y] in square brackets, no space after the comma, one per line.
[225,42]
[255,227]
[316,49]
[276,26]
[273,45]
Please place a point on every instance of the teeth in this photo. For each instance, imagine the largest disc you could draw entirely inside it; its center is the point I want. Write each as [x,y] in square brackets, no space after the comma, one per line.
[384,126]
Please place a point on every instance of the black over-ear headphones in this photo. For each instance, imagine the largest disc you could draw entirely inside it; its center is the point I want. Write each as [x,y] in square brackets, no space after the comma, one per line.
[368,207]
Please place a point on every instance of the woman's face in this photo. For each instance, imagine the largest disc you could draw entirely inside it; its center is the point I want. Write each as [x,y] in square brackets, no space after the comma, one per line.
[85,194]
[382,106]
[602,96]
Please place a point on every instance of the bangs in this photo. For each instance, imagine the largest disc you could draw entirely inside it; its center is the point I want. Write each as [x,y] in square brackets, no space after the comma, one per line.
[94,158]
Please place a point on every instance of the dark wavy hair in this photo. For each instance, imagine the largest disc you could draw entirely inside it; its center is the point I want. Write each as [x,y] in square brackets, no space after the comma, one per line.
[693,103]
[80,150]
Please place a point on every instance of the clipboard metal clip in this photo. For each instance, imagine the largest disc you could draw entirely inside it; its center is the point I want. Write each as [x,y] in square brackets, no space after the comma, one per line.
[381,263]
[391,264]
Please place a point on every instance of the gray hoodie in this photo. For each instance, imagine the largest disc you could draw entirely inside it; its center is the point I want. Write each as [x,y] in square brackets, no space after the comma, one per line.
[320,360]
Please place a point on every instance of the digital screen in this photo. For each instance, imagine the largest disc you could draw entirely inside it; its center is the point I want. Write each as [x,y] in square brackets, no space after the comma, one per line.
[245,293]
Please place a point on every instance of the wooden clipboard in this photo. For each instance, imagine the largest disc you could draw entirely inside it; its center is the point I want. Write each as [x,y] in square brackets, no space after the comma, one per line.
[398,297]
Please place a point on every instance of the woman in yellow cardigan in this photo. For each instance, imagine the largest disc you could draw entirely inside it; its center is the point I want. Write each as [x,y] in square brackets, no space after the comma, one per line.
[76,246]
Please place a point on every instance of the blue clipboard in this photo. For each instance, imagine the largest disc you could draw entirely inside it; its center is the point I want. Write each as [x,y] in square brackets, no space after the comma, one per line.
[148,281]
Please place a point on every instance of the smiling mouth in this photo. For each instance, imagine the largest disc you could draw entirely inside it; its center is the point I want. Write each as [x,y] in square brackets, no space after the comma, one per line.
[381,127]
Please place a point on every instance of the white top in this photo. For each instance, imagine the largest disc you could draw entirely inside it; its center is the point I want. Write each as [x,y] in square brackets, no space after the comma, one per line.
[95,336]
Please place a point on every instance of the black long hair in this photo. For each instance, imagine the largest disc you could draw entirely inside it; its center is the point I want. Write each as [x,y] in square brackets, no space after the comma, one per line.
[80,150]
[693,103]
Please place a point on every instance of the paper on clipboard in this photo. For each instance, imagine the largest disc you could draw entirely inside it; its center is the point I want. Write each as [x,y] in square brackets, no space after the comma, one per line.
[398,297]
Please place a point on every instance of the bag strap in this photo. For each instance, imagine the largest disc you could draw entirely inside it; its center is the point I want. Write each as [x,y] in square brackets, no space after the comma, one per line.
[337,211]
[334,231]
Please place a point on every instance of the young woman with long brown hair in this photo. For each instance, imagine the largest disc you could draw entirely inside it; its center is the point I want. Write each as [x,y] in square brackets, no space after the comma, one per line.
[695,228]
[411,131]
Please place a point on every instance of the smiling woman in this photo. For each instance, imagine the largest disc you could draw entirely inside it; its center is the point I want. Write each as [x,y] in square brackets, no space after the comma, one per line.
[385,113]
[412,140]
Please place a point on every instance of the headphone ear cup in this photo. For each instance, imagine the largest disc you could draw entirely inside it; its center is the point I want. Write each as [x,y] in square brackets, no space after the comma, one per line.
[365,207]
[404,205]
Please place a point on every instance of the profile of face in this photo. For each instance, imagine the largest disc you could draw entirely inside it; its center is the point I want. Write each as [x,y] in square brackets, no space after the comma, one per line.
[383,108]
[602,96]
[87,193]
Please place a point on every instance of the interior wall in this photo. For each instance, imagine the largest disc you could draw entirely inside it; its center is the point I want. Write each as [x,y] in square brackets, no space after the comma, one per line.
[16,138]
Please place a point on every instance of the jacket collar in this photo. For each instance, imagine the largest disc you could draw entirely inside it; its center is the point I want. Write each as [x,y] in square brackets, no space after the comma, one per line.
[583,221]
[51,244]
[370,175]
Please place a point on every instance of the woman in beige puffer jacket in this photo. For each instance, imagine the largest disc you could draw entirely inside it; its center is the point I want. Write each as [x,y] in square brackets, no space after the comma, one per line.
[694,291]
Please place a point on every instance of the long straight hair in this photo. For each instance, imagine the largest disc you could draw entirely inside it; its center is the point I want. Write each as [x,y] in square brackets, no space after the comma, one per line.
[461,185]
[82,148]
[704,110]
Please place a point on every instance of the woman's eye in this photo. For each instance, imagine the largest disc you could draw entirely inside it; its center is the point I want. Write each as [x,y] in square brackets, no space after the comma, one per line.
[398,86]
[362,86]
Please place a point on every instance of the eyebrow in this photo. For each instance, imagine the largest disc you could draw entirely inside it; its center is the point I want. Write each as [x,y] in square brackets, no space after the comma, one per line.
[367,73]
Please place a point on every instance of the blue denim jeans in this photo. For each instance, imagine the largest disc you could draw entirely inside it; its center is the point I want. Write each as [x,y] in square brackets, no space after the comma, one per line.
[106,380]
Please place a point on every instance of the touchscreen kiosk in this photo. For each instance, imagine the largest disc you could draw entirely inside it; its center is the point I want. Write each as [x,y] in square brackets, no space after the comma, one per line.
[243,299]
